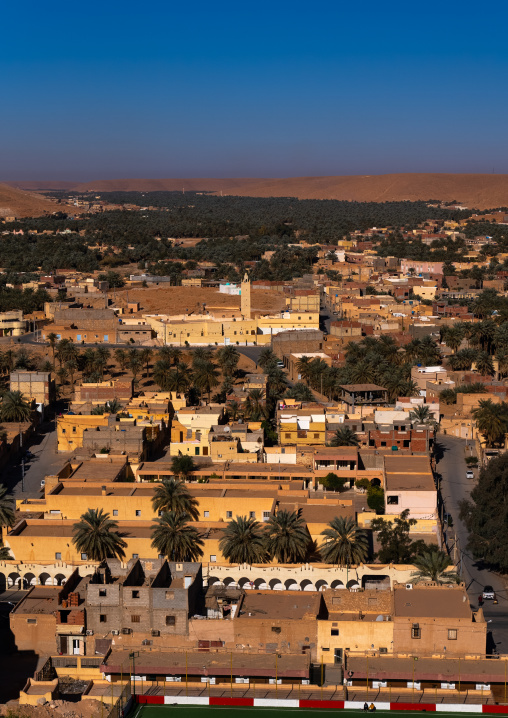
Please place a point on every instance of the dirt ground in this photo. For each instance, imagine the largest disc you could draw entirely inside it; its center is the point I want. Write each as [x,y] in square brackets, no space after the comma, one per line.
[62,709]
[180,300]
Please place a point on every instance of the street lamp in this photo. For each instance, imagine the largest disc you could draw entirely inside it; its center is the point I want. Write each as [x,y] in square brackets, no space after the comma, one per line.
[133,656]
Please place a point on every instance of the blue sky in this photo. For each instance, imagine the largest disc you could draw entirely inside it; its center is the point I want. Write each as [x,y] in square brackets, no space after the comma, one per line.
[265,89]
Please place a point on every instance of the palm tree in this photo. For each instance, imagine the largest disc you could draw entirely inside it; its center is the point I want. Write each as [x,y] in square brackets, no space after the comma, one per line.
[344,543]
[5,554]
[277,383]
[303,366]
[113,406]
[172,495]
[179,379]
[255,404]
[135,363]
[287,538]
[7,515]
[206,376]
[431,566]
[95,535]
[267,358]
[14,407]
[102,356]
[62,375]
[484,364]
[502,362]
[52,337]
[72,367]
[121,358]
[173,537]
[243,541]
[228,358]
[453,337]
[422,415]
[65,351]
[182,466]
[491,420]
[47,366]
[201,354]
[345,436]
[234,410]
[146,355]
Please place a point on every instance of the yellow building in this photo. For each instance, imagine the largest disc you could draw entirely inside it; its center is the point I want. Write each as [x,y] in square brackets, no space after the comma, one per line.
[357,621]
[302,427]
[70,428]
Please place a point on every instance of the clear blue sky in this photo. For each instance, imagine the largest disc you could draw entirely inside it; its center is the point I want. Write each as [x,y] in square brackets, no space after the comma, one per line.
[260,89]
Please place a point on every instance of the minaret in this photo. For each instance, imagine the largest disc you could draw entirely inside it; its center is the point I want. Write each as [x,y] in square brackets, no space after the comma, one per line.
[245,297]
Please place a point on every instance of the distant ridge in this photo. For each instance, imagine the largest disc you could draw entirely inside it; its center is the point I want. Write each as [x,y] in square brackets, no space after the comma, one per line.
[18,203]
[481,191]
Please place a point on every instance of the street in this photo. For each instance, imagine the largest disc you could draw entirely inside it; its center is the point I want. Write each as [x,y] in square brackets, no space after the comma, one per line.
[41,461]
[454,489]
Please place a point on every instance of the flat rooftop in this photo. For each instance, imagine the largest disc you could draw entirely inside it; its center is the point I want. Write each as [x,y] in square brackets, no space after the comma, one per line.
[432,602]
[408,473]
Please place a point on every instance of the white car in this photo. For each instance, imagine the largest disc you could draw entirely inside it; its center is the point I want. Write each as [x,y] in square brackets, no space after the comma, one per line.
[469,474]
[489,593]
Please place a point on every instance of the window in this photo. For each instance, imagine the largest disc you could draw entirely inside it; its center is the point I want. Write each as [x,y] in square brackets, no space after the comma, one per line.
[170,620]
[334,632]
[206,514]
[31,620]
[58,556]
[276,629]
[252,514]
[84,556]
[135,555]
[416,631]
[452,634]
[102,591]
[135,594]
[287,436]
[138,512]
[383,443]
[115,512]
[103,618]
[213,558]
[135,619]
[196,451]
[392,499]
[266,515]
[316,436]
[229,514]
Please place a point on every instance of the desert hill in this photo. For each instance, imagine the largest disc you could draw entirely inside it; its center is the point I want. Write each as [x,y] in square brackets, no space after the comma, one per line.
[481,191]
[19,203]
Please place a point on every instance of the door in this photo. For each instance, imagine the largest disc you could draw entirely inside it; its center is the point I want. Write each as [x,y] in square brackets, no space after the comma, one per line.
[75,646]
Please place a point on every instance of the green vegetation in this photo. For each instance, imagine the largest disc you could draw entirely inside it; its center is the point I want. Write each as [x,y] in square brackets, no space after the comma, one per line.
[243,541]
[344,544]
[173,495]
[175,538]
[287,538]
[432,566]
[96,536]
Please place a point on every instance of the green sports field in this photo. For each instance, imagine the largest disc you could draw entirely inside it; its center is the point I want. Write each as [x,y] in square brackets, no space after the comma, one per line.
[226,712]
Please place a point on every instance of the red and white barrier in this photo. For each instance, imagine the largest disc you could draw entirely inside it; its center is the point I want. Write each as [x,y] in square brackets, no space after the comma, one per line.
[325,704]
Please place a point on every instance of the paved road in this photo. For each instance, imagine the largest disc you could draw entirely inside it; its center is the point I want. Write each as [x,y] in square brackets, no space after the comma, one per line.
[43,460]
[454,488]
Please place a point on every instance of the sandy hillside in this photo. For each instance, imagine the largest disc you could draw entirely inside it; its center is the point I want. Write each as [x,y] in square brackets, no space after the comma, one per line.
[18,203]
[179,300]
[474,190]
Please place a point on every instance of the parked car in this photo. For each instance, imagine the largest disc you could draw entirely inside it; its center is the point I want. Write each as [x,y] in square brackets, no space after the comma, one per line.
[488,593]
[469,474]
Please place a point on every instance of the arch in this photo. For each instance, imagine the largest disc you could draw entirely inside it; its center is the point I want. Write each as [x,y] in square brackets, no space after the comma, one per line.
[229,582]
[337,584]
[244,583]
[353,585]
[307,585]
[260,583]
[29,579]
[276,584]
[321,585]
[375,482]
[44,579]
[291,585]
[212,580]
[59,579]
[13,579]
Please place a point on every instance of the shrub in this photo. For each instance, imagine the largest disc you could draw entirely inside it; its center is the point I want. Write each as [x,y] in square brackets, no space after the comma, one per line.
[333,482]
